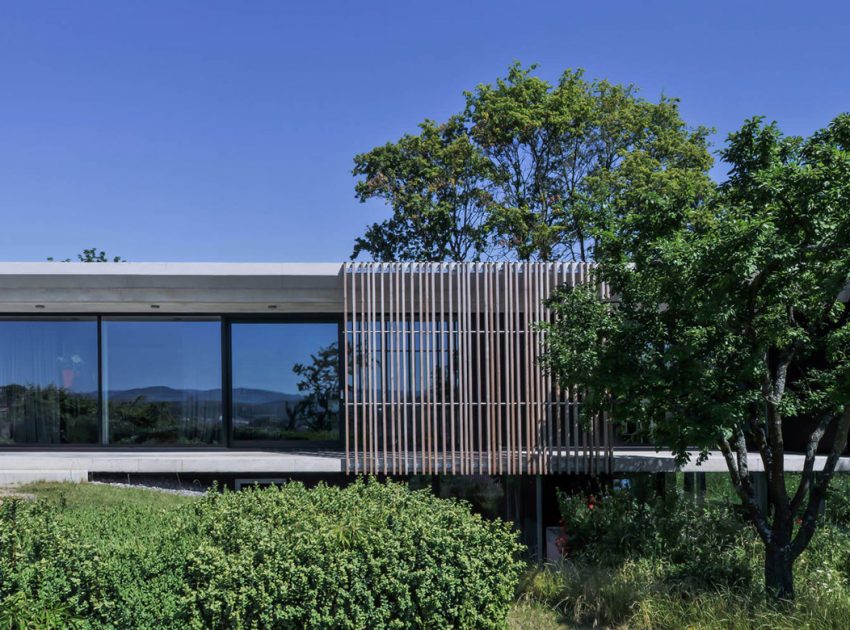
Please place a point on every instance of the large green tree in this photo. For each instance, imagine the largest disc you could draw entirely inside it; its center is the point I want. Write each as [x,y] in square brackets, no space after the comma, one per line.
[730,326]
[558,151]
[528,170]
[436,184]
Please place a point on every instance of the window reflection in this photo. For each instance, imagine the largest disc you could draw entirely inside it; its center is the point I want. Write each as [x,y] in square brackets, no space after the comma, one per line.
[162,381]
[285,381]
[48,382]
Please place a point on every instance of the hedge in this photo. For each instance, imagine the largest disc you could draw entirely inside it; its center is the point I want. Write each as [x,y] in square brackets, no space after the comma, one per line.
[370,555]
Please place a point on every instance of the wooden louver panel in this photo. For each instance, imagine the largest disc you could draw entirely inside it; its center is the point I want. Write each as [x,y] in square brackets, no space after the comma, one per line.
[442,372]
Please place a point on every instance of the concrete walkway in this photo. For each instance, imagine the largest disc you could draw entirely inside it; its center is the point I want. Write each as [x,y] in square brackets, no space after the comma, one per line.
[17,467]
[648,460]
[25,466]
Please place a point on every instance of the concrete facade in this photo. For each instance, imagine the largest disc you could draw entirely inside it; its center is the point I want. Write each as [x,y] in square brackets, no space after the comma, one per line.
[226,288]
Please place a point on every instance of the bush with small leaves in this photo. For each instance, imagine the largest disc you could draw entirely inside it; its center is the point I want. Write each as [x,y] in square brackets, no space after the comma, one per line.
[371,555]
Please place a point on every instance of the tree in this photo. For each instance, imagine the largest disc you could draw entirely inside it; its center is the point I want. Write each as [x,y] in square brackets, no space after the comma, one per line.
[435,182]
[528,170]
[557,153]
[731,322]
[320,383]
[93,256]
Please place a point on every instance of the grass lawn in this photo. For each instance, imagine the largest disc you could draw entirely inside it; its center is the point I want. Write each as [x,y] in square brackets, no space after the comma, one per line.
[82,499]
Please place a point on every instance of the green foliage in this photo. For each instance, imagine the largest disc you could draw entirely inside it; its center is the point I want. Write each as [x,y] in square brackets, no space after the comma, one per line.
[92,255]
[528,170]
[730,325]
[562,153]
[705,544]
[319,380]
[435,182]
[370,555]
[661,567]
[47,414]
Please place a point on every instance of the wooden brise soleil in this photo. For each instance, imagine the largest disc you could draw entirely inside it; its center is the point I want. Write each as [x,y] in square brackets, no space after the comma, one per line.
[442,372]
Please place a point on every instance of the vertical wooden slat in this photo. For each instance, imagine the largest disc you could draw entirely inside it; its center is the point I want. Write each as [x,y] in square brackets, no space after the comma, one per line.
[529,381]
[509,364]
[389,333]
[382,366]
[487,408]
[451,348]
[412,331]
[462,365]
[406,358]
[547,384]
[567,461]
[541,382]
[467,364]
[425,328]
[364,375]
[476,347]
[348,368]
[373,432]
[498,308]
[434,368]
[418,416]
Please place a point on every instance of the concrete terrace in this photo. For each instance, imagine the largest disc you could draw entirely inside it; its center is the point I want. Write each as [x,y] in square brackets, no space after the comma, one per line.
[24,466]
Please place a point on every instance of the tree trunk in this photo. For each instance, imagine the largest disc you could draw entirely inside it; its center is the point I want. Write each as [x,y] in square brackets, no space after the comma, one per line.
[778,572]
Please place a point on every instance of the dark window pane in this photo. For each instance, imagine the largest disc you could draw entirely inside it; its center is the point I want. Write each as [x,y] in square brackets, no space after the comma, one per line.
[48,382]
[162,381]
[285,381]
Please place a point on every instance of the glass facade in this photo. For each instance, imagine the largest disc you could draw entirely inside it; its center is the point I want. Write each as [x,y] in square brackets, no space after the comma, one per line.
[49,381]
[285,381]
[162,381]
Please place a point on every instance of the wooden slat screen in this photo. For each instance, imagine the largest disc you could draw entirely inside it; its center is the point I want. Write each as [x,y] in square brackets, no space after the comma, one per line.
[442,372]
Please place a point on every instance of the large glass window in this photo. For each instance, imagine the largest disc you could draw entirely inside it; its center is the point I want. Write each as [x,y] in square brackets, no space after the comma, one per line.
[48,381]
[285,381]
[162,381]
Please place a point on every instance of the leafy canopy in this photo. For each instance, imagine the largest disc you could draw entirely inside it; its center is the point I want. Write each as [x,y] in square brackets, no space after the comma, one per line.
[731,322]
[529,170]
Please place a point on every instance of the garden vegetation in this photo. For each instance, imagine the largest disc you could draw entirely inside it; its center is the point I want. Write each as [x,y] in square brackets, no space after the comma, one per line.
[371,555]
[633,560]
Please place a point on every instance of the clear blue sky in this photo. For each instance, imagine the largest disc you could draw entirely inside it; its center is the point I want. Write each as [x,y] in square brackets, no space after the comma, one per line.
[165,130]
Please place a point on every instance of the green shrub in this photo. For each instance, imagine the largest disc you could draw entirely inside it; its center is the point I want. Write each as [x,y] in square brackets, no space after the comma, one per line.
[124,571]
[370,555]
[704,544]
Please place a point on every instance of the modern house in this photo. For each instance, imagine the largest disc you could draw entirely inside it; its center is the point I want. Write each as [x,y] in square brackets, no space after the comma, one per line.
[394,368]
[266,369]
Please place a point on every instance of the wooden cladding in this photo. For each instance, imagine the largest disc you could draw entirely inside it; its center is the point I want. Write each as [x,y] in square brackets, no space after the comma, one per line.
[443,374]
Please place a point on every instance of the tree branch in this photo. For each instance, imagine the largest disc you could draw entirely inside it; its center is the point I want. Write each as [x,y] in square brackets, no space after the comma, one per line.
[739,472]
[818,491]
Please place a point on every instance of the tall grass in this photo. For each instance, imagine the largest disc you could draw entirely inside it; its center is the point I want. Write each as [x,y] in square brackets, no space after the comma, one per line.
[645,588]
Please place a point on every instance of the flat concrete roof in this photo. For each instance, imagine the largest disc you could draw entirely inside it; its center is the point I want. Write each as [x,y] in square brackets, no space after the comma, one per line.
[55,287]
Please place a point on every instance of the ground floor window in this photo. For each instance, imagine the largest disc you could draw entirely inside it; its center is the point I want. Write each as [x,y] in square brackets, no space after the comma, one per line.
[285,381]
[169,381]
[162,381]
[49,381]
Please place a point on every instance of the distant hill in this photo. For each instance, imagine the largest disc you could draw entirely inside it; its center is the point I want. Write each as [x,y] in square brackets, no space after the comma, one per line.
[161,393]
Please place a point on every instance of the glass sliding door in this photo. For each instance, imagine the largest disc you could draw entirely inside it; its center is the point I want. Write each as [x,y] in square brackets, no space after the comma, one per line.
[162,381]
[285,382]
[48,381]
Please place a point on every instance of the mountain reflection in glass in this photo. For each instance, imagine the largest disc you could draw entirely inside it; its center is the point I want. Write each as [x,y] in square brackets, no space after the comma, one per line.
[285,381]
[48,382]
[162,381]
